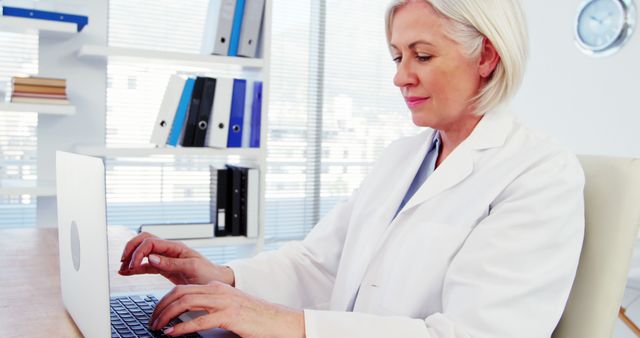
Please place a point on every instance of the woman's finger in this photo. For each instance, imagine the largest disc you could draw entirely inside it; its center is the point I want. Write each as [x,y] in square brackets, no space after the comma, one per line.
[132,244]
[209,321]
[186,303]
[173,295]
[157,246]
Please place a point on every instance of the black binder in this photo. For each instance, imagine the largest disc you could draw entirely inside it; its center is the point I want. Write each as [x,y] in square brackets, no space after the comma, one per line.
[222,216]
[206,103]
[194,112]
[238,203]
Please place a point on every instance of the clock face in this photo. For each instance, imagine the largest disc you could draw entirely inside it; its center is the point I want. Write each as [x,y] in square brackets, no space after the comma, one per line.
[604,25]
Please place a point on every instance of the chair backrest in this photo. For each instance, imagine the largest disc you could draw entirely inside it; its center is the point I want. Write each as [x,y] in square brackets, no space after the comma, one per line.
[612,214]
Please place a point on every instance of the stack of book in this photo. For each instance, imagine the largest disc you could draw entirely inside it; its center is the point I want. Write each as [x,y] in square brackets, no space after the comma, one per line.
[39,90]
[232,27]
[209,112]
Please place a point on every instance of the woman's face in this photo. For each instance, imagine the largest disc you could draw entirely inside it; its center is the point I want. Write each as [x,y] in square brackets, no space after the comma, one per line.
[434,75]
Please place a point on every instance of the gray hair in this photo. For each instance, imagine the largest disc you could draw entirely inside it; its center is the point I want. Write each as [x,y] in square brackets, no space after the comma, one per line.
[470,21]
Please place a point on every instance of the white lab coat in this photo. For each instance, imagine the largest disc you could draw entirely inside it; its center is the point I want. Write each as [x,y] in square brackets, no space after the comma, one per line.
[487,248]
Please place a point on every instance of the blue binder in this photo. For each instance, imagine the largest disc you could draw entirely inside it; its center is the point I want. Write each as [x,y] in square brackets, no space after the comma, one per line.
[80,20]
[181,113]
[256,115]
[237,114]
[235,29]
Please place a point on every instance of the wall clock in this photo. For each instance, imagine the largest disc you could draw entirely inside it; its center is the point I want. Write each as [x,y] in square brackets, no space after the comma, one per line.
[604,26]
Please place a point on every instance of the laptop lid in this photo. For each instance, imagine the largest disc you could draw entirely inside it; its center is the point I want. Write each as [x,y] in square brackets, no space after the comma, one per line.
[82,238]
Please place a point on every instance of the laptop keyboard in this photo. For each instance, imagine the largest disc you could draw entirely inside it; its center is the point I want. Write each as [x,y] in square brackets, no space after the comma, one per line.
[130,317]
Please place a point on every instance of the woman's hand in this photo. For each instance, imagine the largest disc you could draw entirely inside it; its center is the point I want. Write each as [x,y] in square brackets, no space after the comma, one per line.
[175,261]
[227,308]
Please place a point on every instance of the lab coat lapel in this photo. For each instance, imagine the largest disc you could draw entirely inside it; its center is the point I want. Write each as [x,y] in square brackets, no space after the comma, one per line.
[361,248]
[491,131]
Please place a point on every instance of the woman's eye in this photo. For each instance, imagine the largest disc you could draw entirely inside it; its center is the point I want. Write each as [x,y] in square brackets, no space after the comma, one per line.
[397,59]
[423,58]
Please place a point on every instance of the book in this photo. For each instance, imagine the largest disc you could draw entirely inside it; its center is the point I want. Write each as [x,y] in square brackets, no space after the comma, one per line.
[256,115]
[39,81]
[206,103]
[217,31]
[234,40]
[222,213]
[236,116]
[36,95]
[34,100]
[167,110]
[246,118]
[253,203]
[219,119]
[179,230]
[237,200]
[251,27]
[20,88]
[192,115]
[181,113]
[80,20]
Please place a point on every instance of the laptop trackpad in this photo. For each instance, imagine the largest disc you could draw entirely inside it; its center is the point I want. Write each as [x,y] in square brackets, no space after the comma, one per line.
[211,333]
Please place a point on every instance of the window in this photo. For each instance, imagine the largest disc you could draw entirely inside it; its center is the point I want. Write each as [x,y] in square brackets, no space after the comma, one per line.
[18,132]
[332,109]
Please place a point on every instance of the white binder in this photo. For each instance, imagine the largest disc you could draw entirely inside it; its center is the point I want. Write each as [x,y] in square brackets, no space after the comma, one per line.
[246,121]
[253,202]
[217,31]
[167,111]
[219,117]
[251,26]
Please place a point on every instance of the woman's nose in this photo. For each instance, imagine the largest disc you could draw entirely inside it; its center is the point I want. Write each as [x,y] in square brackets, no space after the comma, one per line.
[404,75]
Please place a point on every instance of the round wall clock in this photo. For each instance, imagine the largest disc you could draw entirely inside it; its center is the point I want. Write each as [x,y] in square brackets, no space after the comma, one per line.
[604,26]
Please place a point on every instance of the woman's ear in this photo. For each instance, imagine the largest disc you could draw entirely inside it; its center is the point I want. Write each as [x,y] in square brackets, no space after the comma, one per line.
[489,59]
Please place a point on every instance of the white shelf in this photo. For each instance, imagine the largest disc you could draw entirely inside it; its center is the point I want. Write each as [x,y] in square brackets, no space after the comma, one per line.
[53,109]
[220,241]
[150,150]
[184,59]
[35,191]
[26,25]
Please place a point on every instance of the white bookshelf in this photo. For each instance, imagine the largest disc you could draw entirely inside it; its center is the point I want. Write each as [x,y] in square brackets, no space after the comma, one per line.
[52,109]
[220,241]
[26,25]
[99,55]
[142,151]
[184,59]
[33,191]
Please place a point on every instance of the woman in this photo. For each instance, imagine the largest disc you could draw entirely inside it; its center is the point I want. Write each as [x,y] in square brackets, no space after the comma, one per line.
[472,228]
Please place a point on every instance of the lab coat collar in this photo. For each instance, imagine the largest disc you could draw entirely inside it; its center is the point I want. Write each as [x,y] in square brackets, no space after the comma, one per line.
[490,132]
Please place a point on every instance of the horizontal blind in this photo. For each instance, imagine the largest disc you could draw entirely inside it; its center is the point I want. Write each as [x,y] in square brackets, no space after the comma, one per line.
[333,108]
[362,111]
[18,132]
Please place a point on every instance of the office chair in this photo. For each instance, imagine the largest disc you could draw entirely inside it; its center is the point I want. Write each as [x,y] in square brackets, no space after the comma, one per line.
[612,214]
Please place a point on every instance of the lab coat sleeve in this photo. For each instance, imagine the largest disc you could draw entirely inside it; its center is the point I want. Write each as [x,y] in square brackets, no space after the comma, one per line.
[300,274]
[511,277]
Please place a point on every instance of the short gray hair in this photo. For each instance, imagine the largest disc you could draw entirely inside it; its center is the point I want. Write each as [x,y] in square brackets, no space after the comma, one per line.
[503,23]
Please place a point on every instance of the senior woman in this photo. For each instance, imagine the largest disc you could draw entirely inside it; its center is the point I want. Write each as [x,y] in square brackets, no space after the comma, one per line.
[472,228]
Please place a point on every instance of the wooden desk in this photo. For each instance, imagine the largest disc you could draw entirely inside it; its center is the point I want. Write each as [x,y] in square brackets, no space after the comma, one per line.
[30,300]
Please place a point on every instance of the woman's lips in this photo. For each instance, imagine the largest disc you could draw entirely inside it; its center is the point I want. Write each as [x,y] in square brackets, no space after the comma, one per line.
[414,101]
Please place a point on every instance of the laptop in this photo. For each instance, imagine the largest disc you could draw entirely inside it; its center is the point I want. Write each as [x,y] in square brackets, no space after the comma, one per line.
[84,263]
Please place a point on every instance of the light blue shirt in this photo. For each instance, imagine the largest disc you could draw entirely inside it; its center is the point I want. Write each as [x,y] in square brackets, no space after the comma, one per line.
[427,167]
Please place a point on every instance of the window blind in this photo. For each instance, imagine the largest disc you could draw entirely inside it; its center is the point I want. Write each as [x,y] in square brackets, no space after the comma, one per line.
[18,139]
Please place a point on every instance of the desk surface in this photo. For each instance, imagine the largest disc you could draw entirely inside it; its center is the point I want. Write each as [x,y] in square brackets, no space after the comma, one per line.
[30,301]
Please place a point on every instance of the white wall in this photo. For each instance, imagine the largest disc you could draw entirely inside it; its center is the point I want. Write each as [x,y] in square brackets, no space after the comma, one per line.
[592,105]
[86,88]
